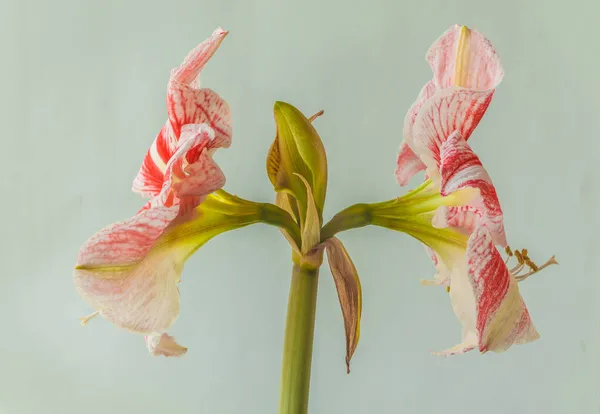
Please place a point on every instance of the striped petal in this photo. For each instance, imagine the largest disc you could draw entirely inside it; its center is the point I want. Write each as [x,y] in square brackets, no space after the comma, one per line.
[409,120]
[464,57]
[485,298]
[449,110]
[502,317]
[199,106]
[186,104]
[461,168]
[120,274]
[462,218]
[150,178]
[194,62]
[407,165]
[189,178]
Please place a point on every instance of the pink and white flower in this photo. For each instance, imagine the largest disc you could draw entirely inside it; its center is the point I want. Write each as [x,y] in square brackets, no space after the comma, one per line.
[484,293]
[466,72]
[129,271]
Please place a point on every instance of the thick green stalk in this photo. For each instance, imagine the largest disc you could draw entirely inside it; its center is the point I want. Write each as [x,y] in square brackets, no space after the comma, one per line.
[298,342]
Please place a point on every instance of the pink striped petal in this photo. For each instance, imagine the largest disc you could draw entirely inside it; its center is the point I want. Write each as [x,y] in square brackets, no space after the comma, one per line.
[449,110]
[186,104]
[120,274]
[409,120]
[407,165]
[480,62]
[189,179]
[150,178]
[193,63]
[462,218]
[502,317]
[461,168]
[164,345]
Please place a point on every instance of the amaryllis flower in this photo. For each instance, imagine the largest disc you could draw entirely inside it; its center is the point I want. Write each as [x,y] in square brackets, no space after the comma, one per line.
[129,271]
[484,293]
[466,72]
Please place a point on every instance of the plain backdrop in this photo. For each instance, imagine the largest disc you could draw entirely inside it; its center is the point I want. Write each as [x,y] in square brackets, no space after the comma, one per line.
[82,98]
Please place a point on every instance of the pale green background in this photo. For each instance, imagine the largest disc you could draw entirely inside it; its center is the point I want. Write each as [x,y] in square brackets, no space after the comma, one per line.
[82,99]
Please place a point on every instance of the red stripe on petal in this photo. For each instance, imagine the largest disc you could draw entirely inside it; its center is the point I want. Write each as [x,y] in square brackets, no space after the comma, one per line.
[461,218]
[461,168]
[188,184]
[150,178]
[502,317]
[447,111]
[199,106]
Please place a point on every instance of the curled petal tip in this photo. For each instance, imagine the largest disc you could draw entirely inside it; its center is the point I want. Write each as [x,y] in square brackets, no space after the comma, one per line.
[220,31]
[164,345]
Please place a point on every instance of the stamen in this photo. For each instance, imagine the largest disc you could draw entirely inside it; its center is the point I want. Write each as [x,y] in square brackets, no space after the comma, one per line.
[531,265]
[509,254]
[86,319]
[448,289]
[519,257]
[517,269]
[535,269]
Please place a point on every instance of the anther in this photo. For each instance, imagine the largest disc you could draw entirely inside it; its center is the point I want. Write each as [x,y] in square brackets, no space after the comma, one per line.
[519,257]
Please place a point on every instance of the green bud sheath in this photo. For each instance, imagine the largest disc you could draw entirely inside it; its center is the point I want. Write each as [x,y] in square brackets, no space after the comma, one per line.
[297,149]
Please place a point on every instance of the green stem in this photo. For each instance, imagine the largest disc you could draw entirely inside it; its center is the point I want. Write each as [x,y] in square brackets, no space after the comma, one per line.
[355,216]
[298,342]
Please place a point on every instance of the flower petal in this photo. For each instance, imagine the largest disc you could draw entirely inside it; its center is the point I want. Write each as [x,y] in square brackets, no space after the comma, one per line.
[133,285]
[408,164]
[470,54]
[502,317]
[462,218]
[164,345]
[409,120]
[449,110]
[150,177]
[461,168]
[185,105]
[189,185]
[442,273]
[193,63]
[468,344]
